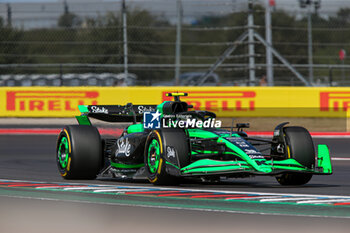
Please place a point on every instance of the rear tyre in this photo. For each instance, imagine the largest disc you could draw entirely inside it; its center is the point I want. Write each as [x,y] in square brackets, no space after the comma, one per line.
[157,143]
[300,147]
[79,152]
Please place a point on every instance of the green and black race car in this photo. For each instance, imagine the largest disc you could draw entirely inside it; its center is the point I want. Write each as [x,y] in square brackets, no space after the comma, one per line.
[168,142]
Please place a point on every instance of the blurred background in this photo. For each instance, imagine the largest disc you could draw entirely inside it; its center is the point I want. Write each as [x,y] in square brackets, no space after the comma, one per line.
[174,42]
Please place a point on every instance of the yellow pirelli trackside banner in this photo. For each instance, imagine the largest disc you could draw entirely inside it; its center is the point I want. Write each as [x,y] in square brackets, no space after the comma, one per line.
[225,101]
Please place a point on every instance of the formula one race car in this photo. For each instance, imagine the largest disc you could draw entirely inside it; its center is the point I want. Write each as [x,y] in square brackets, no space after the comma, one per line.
[168,142]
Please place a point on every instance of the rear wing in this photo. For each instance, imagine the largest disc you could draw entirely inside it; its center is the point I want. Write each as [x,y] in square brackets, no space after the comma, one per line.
[113,113]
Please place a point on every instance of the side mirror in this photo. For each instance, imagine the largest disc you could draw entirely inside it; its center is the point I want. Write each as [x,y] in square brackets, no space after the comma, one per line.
[242,125]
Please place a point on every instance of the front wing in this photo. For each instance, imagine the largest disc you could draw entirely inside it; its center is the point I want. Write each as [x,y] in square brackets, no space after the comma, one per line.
[269,167]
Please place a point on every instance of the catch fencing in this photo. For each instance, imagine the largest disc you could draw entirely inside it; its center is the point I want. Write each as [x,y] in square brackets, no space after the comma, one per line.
[162,39]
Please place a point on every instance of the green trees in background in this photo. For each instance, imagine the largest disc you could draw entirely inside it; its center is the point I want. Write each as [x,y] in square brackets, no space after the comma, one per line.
[152,40]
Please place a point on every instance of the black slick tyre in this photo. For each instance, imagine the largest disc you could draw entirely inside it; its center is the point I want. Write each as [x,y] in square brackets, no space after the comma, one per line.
[300,147]
[157,143]
[294,178]
[79,152]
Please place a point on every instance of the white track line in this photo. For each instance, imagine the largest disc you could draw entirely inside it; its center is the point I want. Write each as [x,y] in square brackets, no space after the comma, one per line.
[323,201]
[341,159]
[85,188]
[249,198]
[119,190]
[287,199]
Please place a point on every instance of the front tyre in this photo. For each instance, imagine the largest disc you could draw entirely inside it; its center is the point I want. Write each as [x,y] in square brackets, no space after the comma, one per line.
[171,144]
[79,152]
[301,148]
[154,160]
[294,178]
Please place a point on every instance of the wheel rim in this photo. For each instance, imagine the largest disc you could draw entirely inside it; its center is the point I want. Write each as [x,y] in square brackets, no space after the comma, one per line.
[63,153]
[153,156]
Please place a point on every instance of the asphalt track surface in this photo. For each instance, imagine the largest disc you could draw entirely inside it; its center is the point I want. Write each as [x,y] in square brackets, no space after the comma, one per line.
[34,198]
